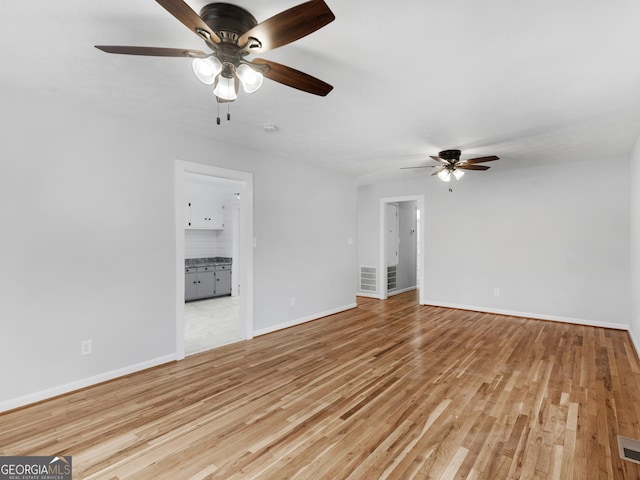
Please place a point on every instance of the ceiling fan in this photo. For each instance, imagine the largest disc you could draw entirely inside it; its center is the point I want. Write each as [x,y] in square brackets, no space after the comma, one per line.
[449,164]
[232,33]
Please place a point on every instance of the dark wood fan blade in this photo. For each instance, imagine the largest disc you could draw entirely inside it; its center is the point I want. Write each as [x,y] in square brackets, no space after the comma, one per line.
[438,171]
[294,78]
[287,26]
[490,158]
[152,51]
[473,167]
[191,19]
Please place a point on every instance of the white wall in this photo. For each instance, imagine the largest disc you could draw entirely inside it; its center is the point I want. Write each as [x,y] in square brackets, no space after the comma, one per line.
[87,212]
[368,231]
[304,218]
[554,241]
[201,243]
[634,221]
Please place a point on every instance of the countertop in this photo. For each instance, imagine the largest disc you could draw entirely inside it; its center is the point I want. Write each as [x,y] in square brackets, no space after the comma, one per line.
[206,262]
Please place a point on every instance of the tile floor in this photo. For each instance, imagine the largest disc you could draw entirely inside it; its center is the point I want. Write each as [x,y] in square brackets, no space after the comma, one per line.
[211,323]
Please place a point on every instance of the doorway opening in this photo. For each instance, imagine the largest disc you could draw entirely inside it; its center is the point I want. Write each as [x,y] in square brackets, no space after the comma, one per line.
[223,249]
[212,260]
[401,245]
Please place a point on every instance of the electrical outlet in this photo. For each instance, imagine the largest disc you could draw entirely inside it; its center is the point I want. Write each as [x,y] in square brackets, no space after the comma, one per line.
[85,347]
[293,301]
[496,292]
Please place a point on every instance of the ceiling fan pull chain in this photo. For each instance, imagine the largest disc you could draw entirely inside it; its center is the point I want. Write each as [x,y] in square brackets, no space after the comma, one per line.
[218,105]
[228,112]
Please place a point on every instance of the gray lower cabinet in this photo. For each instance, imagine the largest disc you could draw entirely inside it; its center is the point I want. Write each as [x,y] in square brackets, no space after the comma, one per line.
[223,280]
[199,283]
[205,282]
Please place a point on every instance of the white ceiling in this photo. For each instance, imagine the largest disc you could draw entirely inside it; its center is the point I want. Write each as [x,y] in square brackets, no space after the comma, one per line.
[533,82]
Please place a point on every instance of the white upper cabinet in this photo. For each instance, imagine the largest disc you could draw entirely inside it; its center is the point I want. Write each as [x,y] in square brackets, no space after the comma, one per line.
[203,208]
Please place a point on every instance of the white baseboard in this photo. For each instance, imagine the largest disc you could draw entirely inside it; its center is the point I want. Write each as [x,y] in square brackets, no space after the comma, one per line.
[298,321]
[389,293]
[398,292]
[82,383]
[368,295]
[537,316]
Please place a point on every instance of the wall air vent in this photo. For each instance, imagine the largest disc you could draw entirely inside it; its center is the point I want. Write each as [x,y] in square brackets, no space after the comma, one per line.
[629,449]
[368,279]
[392,275]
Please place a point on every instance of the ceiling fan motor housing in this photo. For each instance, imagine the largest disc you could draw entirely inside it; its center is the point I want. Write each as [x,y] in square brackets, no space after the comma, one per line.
[228,21]
[450,155]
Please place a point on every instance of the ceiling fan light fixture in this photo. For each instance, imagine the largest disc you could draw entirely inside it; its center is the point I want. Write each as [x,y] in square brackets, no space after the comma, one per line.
[226,88]
[206,69]
[251,80]
[458,173]
[444,175]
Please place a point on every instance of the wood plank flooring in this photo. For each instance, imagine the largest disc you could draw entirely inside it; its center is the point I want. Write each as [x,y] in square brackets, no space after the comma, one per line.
[388,390]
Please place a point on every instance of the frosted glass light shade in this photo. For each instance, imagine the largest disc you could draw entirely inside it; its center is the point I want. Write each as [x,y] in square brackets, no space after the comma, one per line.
[458,174]
[206,69]
[226,88]
[251,80]
[444,175]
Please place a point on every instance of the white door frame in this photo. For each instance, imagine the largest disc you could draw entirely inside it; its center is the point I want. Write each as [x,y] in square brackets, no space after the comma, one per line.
[245,274]
[382,264]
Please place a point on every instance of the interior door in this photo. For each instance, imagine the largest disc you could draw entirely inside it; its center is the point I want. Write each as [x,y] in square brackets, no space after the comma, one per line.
[393,238]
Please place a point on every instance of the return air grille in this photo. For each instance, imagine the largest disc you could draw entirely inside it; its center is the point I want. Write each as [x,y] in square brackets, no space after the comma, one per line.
[368,279]
[392,271]
[629,449]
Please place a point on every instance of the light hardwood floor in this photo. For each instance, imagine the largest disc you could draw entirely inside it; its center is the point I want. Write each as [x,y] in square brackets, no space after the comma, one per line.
[388,390]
